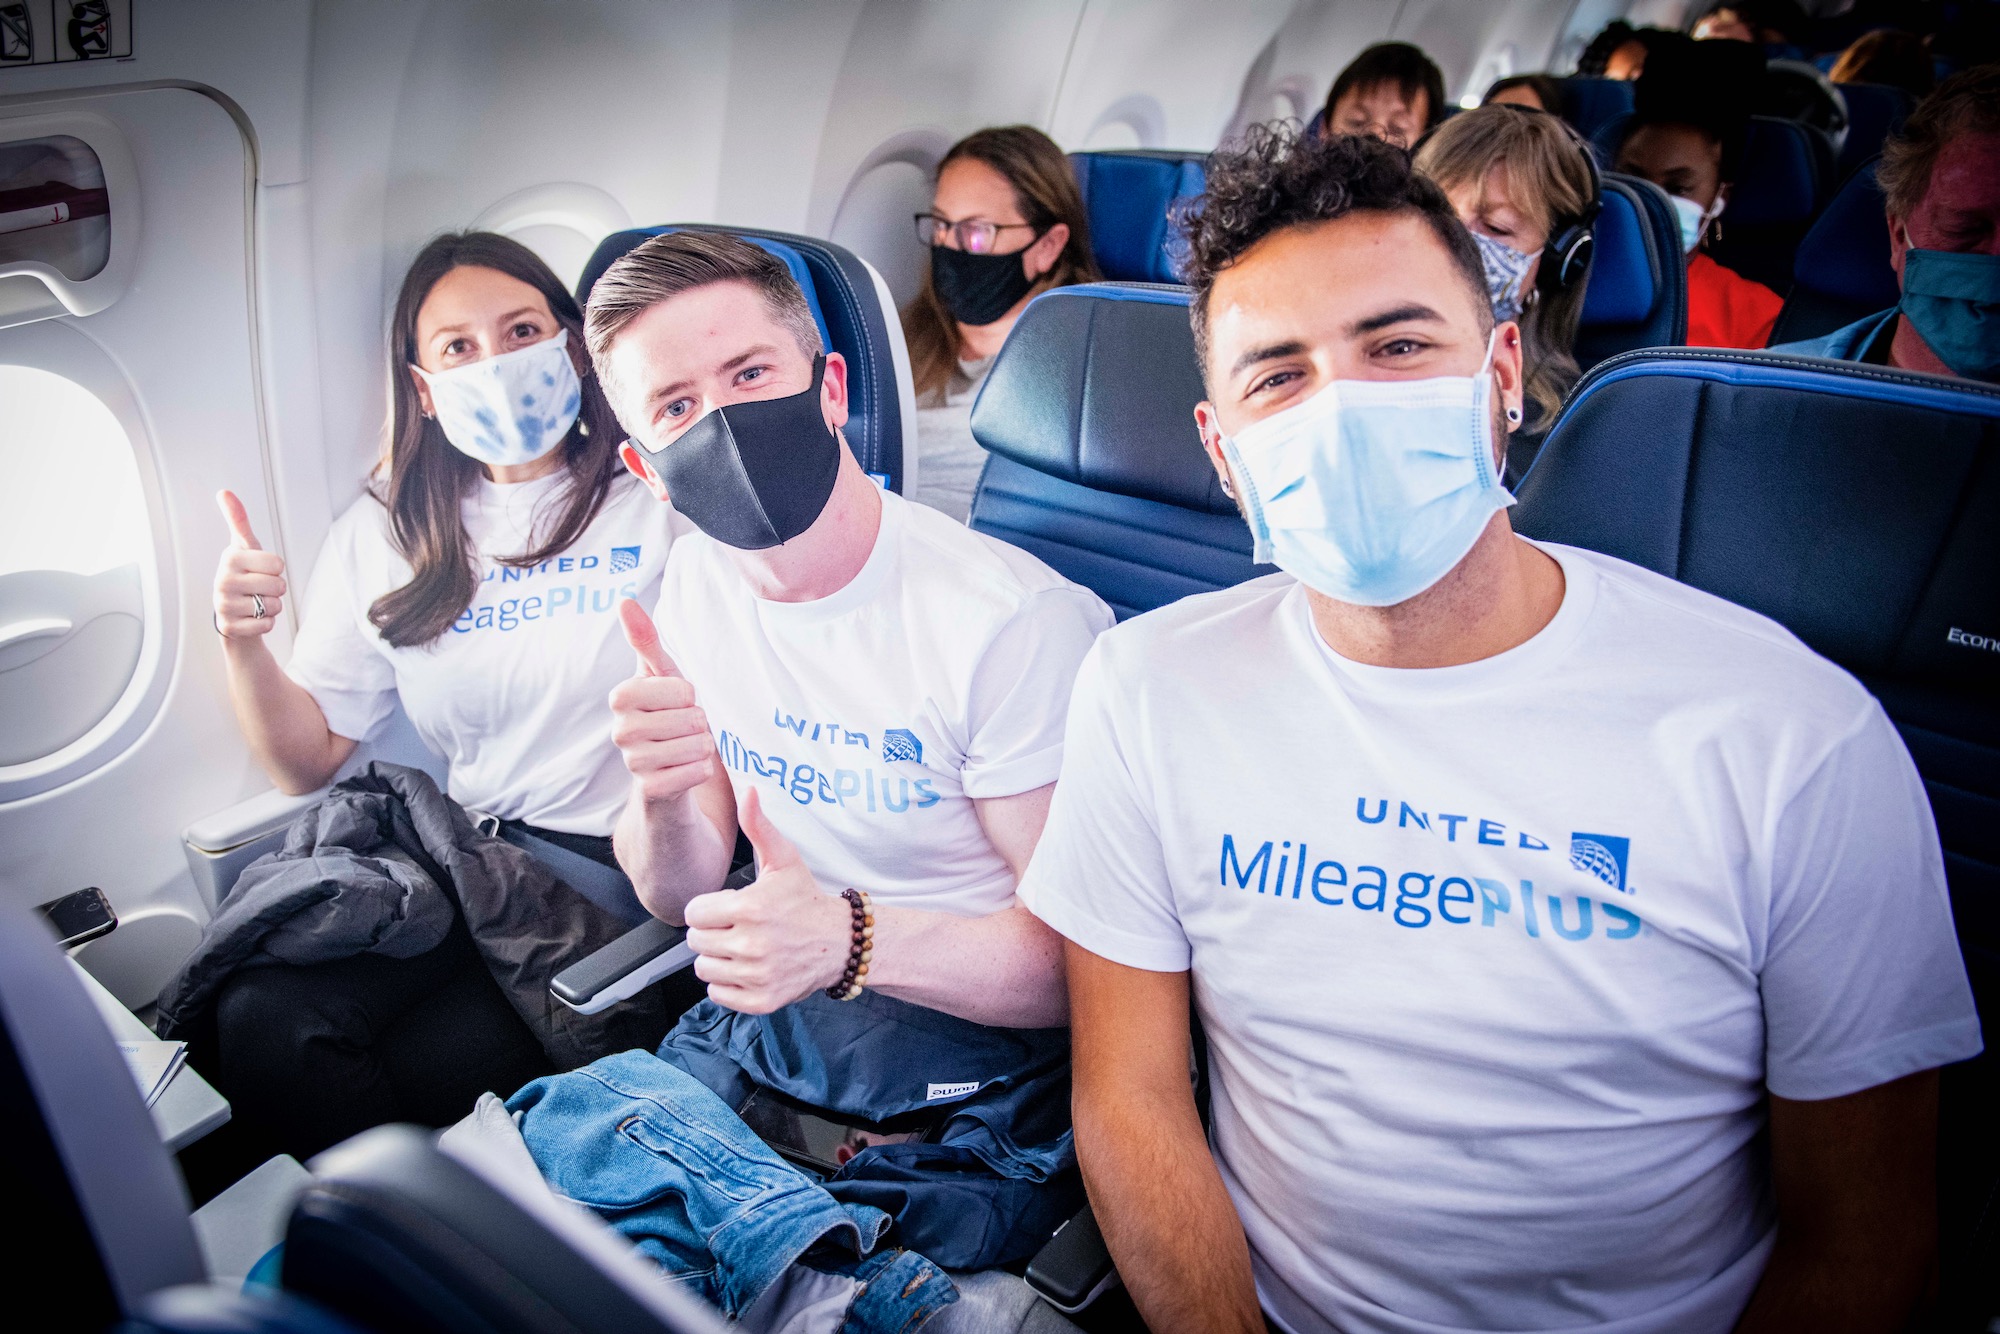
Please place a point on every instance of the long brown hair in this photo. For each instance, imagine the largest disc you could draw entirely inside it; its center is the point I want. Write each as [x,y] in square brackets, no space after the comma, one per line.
[424,479]
[1045,192]
[1549,179]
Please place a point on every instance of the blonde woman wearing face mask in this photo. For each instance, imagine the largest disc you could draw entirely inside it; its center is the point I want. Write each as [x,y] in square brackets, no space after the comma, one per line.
[475,584]
[1522,183]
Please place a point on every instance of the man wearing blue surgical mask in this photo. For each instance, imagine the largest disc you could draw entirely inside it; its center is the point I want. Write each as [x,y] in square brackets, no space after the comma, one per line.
[1941,180]
[1571,947]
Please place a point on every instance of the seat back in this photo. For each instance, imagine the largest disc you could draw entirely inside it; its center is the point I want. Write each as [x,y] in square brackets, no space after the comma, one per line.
[1860,508]
[1874,112]
[1842,271]
[1588,104]
[1096,464]
[1126,195]
[1780,183]
[394,1234]
[1637,293]
[856,317]
[101,1208]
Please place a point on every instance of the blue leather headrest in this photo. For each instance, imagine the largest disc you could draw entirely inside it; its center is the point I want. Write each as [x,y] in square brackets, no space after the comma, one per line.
[1778,182]
[1846,254]
[1097,385]
[1126,196]
[1623,271]
[1588,103]
[1637,292]
[853,321]
[1874,112]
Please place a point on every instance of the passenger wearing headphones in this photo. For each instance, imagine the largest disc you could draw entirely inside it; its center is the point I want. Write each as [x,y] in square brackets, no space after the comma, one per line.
[1006,224]
[1524,185]
[1571,947]
[476,586]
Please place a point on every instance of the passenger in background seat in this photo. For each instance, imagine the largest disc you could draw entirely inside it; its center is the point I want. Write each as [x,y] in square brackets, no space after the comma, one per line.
[875,695]
[476,585]
[1537,92]
[1898,59]
[1006,224]
[1519,179]
[1571,946]
[1693,110]
[1392,90]
[1941,179]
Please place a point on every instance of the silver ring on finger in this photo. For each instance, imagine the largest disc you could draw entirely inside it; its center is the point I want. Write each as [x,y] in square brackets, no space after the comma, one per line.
[257,611]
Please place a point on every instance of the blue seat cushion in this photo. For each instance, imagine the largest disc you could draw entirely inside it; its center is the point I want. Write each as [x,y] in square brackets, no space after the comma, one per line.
[1622,288]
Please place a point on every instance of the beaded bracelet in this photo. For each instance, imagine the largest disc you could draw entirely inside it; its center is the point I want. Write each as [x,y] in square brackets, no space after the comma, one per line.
[860,949]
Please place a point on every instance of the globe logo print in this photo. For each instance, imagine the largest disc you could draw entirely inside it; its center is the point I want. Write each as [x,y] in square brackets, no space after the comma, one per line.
[1603,856]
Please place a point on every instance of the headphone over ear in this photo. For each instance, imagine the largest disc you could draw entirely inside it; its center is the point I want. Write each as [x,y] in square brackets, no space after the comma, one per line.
[1567,256]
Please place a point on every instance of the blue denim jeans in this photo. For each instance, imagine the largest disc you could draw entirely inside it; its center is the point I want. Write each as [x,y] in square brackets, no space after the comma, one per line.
[660,1158]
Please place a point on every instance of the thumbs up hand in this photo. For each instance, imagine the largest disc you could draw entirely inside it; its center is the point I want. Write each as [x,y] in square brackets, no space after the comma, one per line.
[655,724]
[249,581]
[780,938]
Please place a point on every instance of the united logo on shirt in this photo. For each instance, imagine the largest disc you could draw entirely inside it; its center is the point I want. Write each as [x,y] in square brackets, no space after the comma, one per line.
[1603,855]
[624,558]
[900,743]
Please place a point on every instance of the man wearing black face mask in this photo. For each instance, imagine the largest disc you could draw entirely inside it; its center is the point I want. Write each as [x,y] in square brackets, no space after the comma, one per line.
[873,693]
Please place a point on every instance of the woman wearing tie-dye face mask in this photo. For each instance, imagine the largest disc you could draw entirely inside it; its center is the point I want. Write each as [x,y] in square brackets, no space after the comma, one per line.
[1519,180]
[473,586]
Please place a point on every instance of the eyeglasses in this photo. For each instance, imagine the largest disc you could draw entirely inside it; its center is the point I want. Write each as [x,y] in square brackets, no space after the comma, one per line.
[975,238]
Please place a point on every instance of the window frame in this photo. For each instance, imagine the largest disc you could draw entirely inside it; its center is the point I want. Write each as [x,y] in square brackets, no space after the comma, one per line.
[59,349]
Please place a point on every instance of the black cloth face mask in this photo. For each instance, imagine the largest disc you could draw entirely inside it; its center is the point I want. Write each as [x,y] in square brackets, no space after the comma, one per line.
[753,475]
[978,289]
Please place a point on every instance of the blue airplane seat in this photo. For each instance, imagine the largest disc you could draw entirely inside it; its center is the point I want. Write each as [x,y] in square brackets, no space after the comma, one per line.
[1096,464]
[1874,112]
[1860,508]
[1786,170]
[856,317]
[1637,290]
[1126,195]
[1842,271]
[1588,103]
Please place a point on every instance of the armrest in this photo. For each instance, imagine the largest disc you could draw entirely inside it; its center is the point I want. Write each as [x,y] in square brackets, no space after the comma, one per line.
[1073,1268]
[219,846]
[625,967]
[633,962]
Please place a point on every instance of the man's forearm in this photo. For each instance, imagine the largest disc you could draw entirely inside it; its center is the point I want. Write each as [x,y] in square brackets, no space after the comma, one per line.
[671,851]
[1834,1294]
[1004,969]
[1165,1214]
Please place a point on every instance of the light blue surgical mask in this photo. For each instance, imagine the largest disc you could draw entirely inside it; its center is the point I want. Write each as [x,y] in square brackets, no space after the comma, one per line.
[1952,300]
[1371,491]
[1694,219]
[510,409]
[1505,268]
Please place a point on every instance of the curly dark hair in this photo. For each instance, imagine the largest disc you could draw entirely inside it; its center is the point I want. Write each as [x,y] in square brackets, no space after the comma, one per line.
[1277,178]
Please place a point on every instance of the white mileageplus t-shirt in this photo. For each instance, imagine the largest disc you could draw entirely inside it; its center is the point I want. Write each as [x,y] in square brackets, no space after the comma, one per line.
[871,719]
[1495,961]
[515,694]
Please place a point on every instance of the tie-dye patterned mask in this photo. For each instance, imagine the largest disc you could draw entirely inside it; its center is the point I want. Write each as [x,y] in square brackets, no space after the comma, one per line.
[510,409]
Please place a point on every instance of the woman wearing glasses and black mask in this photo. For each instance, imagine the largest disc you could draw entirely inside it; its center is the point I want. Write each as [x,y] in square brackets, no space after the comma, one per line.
[1005,225]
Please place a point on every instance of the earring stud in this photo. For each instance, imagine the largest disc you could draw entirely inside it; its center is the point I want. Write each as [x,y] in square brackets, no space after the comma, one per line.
[1513,416]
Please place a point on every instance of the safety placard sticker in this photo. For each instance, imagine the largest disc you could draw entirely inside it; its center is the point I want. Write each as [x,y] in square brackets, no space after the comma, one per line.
[55,32]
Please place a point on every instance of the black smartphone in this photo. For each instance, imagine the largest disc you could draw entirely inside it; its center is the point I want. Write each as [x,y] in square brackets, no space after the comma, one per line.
[809,1140]
[84,915]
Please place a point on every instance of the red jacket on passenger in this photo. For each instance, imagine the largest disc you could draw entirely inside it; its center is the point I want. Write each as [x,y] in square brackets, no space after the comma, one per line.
[1726,309]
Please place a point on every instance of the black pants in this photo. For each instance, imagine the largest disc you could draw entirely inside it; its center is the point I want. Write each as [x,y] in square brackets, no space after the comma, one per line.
[308,1056]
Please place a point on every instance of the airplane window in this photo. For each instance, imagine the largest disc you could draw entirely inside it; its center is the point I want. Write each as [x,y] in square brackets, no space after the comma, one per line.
[74,542]
[54,207]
